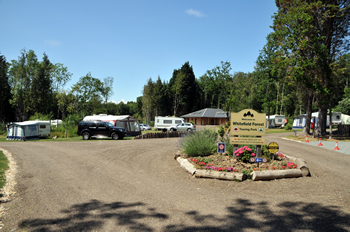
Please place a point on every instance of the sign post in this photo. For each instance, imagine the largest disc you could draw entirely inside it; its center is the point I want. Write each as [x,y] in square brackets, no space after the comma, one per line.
[251,124]
[221,149]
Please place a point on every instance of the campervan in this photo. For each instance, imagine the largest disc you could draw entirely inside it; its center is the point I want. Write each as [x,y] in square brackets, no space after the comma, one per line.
[275,120]
[163,123]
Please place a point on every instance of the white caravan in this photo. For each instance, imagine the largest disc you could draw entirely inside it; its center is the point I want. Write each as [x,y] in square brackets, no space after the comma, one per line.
[44,128]
[28,130]
[275,120]
[162,123]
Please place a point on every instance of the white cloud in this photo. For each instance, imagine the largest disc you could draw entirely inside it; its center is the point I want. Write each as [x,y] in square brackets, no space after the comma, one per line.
[195,13]
[53,42]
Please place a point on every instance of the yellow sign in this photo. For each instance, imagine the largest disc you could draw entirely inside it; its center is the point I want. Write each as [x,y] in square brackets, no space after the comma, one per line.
[247,140]
[248,122]
[273,147]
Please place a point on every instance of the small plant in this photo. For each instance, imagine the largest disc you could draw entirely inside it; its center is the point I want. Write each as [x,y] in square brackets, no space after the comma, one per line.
[221,132]
[244,154]
[247,173]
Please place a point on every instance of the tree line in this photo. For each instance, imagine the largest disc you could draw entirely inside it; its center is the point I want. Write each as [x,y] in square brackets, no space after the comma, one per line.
[302,68]
[30,87]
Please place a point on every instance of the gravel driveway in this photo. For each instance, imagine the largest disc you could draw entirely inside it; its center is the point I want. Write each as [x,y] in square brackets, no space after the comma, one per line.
[136,185]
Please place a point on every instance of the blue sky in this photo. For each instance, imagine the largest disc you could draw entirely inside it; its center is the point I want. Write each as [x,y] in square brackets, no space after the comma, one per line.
[134,40]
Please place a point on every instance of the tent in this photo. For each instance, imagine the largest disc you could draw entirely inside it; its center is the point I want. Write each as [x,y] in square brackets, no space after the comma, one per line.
[23,131]
[131,124]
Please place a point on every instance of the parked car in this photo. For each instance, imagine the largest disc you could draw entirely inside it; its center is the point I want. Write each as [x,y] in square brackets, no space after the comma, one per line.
[99,129]
[144,127]
[183,127]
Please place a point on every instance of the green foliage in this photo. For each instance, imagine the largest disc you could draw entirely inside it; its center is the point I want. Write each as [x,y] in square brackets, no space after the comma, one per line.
[3,130]
[247,173]
[60,132]
[42,117]
[200,143]
[289,125]
[3,167]
[221,132]
[244,153]
[343,106]
[72,121]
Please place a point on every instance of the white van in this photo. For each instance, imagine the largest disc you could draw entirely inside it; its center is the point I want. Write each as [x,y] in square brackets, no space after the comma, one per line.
[163,123]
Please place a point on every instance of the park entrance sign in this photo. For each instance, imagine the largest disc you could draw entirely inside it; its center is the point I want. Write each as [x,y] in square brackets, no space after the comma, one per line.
[250,124]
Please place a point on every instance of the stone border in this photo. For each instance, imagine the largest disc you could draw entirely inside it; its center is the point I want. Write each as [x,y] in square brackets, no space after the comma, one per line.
[302,171]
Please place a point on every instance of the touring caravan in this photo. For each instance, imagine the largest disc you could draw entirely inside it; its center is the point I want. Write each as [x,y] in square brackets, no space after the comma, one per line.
[28,130]
[275,120]
[299,122]
[44,128]
[162,123]
[131,124]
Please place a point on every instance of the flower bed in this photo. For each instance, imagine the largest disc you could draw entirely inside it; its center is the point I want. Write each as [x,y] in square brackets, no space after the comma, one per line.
[280,166]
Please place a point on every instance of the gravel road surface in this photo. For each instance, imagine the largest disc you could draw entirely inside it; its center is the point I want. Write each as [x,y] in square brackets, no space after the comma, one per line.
[136,185]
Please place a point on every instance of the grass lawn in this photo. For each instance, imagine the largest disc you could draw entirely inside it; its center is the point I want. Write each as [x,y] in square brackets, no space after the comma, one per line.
[279,130]
[3,167]
[334,138]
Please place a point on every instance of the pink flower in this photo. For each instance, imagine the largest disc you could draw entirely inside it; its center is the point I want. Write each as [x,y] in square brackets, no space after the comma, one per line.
[253,154]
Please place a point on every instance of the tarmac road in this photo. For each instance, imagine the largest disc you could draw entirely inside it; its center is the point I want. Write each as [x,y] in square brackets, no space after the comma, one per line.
[136,185]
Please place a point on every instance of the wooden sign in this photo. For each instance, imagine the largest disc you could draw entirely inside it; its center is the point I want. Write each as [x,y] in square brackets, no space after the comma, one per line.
[247,140]
[248,122]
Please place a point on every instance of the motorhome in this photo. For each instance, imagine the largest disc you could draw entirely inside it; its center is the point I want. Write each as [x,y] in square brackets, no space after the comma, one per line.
[275,120]
[163,123]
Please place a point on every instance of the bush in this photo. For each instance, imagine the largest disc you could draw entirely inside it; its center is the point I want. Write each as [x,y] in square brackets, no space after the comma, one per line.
[200,143]
[42,117]
[60,131]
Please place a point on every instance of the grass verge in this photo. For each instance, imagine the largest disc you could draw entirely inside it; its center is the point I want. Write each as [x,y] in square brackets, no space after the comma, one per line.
[4,164]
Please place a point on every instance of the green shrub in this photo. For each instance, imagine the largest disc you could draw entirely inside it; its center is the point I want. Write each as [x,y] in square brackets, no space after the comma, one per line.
[228,147]
[221,132]
[200,143]
[42,117]
[60,132]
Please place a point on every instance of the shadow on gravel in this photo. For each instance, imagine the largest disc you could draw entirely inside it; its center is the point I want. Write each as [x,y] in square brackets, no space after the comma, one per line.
[241,216]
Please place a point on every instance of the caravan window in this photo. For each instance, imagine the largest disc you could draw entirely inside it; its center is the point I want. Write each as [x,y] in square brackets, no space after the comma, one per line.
[42,126]
[167,122]
[178,121]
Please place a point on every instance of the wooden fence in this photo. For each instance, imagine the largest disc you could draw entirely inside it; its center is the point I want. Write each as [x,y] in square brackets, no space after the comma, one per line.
[162,135]
[344,130]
